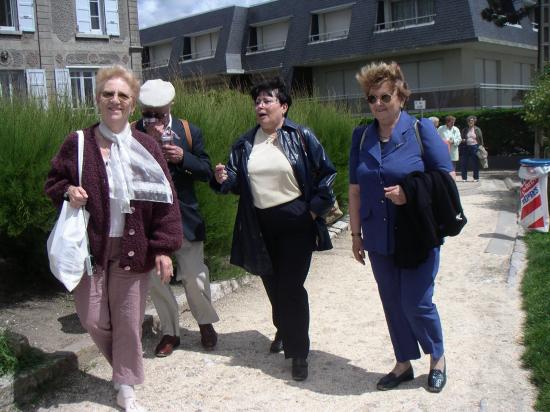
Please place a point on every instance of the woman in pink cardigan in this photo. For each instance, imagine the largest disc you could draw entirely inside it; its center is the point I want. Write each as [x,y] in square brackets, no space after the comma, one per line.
[134,225]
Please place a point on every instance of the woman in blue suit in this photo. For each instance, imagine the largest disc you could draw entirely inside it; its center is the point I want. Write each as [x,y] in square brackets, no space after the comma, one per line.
[382,154]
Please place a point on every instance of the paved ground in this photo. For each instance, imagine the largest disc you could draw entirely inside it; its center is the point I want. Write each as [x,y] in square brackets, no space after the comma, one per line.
[477,298]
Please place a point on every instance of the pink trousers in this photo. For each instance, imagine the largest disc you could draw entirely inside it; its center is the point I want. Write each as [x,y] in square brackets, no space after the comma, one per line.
[111,307]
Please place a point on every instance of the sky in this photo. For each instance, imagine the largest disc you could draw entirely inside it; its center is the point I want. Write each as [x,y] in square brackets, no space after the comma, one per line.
[153,12]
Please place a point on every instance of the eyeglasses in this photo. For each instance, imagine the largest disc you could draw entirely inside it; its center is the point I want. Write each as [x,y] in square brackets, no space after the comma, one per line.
[108,95]
[385,98]
[155,115]
[265,102]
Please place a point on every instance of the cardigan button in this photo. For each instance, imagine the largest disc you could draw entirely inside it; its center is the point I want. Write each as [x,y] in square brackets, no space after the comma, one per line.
[132,209]
[127,268]
[131,232]
[131,253]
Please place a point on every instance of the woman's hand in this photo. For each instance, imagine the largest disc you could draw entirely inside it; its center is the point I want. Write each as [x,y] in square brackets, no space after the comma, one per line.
[357,248]
[220,173]
[77,196]
[395,194]
[165,269]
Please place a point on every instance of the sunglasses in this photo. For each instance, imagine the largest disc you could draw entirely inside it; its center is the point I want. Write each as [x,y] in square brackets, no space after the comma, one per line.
[155,115]
[385,98]
[108,95]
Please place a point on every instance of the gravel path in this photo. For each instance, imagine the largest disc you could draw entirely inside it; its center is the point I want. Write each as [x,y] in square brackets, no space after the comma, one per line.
[351,349]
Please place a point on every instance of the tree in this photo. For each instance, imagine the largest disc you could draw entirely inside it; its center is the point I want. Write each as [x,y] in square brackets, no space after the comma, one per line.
[537,101]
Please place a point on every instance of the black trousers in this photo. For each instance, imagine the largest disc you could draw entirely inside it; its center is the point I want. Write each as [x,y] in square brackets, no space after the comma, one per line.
[289,235]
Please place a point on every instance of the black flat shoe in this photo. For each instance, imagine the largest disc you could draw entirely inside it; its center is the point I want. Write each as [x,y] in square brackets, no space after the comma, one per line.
[299,369]
[391,381]
[437,379]
[277,344]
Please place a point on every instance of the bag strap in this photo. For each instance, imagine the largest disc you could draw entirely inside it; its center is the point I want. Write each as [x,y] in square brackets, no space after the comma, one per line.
[80,155]
[188,136]
[418,138]
[363,137]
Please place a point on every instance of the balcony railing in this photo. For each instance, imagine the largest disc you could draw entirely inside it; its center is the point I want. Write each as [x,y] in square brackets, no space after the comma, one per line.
[328,36]
[405,23]
[155,64]
[199,55]
[263,47]
[473,96]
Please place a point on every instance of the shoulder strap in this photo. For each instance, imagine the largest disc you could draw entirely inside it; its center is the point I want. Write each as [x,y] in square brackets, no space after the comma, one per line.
[418,138]
[188,137]
[80,155]
[363,136]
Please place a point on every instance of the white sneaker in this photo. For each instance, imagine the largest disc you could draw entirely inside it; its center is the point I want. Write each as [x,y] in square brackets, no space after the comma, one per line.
[129,404]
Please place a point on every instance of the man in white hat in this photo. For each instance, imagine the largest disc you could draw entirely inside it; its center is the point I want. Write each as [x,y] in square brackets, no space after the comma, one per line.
[183,148]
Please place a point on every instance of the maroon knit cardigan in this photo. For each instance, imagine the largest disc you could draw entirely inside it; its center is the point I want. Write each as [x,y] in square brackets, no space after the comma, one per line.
[152,229]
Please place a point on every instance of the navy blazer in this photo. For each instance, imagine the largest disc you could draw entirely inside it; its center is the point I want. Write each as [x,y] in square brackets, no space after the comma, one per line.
[373,168]
[195,166]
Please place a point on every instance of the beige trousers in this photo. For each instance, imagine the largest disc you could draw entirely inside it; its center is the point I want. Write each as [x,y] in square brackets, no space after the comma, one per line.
[196,282]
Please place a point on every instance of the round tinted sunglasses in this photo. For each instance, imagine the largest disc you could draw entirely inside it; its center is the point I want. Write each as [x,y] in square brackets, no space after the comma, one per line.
[385,98]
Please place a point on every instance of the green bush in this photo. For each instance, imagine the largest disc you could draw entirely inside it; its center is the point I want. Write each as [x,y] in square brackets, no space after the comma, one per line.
[505,131]
[31,137]
[8,360]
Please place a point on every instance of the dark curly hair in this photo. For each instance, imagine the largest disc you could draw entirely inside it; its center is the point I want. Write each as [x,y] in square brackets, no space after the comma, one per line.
[275,87]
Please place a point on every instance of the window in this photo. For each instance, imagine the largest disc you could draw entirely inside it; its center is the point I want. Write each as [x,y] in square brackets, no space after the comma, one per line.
[197,47]
[423,74]
[158,55]
[400,14]
[82,87]
[267,37]
[523,73]
[98,17]
[330,25]
[12,84]
[340,83]
[16,15]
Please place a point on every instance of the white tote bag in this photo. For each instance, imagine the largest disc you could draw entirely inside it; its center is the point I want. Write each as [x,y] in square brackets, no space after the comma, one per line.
[68,241]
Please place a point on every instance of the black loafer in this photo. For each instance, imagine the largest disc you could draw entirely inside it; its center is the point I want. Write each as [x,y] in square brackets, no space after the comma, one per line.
[299,369]
[391,381]
[277,344]
[437,379]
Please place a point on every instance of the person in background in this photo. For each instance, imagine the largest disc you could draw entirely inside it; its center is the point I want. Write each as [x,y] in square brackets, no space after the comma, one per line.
[451,135]
[284,181]
[382,155]
[435,121]
[134,225]
[472,137]
[183,148]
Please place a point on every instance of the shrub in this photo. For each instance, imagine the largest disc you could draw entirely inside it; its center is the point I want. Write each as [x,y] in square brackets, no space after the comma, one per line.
[31,137]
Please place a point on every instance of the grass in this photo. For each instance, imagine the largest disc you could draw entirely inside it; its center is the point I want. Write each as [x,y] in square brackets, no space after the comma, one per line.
[536,303]
[12,363]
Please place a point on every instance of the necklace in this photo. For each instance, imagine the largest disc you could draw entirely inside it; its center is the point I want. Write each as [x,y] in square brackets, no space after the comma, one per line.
[384,139]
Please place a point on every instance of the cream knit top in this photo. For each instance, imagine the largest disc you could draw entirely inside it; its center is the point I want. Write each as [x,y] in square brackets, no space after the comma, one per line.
[271,177]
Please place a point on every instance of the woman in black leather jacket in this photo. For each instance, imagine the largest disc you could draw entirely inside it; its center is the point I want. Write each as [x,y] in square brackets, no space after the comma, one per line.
[284,179]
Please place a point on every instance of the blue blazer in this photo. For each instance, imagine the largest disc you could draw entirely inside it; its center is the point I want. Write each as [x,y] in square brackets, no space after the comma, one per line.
[373,167]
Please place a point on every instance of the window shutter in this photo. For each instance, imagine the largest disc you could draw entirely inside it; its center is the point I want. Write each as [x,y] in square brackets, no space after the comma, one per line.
[83,19]
[25,11]
[111,17]
[63,86]
[36,85]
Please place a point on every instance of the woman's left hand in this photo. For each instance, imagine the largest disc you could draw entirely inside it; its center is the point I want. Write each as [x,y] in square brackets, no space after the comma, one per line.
[165,269]
[395,194]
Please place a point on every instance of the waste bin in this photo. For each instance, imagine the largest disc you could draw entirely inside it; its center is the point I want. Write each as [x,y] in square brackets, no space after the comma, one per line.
[534,194]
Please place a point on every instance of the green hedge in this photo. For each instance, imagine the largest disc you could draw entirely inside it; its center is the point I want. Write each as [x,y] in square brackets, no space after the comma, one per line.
[505,132]
[31,137]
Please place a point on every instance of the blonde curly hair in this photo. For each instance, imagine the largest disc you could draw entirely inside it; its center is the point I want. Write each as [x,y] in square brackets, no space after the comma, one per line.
[374,74]
[107,73]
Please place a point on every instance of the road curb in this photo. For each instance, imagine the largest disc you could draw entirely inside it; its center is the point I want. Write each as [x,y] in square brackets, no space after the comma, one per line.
[23,387]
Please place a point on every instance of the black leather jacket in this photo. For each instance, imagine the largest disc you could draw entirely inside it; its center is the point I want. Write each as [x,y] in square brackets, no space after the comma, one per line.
[315,175]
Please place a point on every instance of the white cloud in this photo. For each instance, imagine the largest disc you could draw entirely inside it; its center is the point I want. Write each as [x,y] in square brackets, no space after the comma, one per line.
[153,12]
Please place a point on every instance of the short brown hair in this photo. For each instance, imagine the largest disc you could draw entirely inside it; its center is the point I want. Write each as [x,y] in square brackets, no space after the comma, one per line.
[374,74]
[107,73]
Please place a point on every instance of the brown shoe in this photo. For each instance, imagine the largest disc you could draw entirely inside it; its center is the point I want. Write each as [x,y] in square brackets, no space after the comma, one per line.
[209,337]
[166,346]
